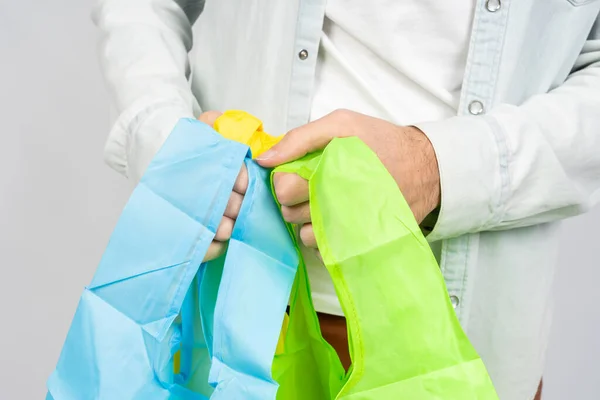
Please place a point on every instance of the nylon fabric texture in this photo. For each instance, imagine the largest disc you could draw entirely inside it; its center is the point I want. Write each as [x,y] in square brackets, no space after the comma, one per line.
[156,323]
[247,129]
[152,297]
[405,339]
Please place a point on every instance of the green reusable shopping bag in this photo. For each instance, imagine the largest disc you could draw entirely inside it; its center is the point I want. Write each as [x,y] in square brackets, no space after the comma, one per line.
[405,340]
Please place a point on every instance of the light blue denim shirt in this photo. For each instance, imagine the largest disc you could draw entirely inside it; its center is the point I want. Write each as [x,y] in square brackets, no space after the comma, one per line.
[523,153]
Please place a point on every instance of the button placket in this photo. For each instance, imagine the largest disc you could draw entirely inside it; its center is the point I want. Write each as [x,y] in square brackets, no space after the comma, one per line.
[459,256]
[308,33]
[493,5]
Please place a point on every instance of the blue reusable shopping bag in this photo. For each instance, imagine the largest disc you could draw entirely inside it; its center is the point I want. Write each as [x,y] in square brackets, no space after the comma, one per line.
[151,295]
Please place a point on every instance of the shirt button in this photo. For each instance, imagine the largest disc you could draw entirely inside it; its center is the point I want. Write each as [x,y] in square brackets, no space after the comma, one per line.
[303,55]
[476,107]
[454,300]
[493,5]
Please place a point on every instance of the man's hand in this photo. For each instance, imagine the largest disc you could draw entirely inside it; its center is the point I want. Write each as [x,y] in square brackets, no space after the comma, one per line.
[223,234]
[404,150]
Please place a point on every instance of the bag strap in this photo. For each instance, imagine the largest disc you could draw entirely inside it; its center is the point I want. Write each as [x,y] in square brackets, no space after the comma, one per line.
[152,258]
[258,274]
[176,174]
[405,339]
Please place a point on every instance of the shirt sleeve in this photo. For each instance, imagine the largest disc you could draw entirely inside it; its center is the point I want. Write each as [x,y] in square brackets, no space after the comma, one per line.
[143,49]
[522,165]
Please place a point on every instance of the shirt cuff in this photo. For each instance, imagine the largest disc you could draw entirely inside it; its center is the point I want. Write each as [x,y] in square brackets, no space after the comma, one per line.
[138,134]
[472,159]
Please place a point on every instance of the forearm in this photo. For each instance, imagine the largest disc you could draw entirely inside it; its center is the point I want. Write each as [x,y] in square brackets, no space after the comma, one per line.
[522,165]
[143,50]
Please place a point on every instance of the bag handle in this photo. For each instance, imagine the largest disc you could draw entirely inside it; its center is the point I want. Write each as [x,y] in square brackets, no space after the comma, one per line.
[248,318]
[152,258]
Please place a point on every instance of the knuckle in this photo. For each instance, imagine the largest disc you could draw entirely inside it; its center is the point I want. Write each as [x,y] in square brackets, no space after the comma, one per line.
[342,114]
[224,230]
[230,205]
[306,213]
[233,205]
[243,175]
[237,200]
[303,234]
[241,182]
[306,235]
[287,213]
[291,133]
[283,196]
[283,189]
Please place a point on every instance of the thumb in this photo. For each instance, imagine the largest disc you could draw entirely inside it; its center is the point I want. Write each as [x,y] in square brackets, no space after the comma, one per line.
[299,142]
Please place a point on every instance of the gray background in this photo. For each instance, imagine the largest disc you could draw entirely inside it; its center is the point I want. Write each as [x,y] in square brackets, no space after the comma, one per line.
[59,203]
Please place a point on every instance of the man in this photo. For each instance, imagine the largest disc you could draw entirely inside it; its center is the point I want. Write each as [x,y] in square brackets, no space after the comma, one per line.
[486,113]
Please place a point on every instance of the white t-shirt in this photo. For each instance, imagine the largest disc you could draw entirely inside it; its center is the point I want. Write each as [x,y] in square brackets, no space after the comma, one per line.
[402,61]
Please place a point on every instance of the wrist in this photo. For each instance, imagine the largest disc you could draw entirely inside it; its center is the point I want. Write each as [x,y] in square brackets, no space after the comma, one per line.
[427,167]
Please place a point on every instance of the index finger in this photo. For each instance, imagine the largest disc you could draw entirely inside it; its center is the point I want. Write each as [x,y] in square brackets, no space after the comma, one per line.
[300,141]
